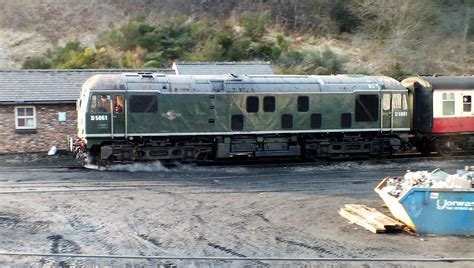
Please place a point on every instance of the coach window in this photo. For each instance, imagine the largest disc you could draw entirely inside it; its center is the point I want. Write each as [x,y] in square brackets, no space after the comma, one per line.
[287,121]
[25,117]
[269,104]
[448,103]
[367,108]
[466,100]
[143,104]
[252,104]
[303,104]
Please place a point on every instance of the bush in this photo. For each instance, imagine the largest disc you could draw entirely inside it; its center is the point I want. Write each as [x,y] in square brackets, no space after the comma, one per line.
[255,24]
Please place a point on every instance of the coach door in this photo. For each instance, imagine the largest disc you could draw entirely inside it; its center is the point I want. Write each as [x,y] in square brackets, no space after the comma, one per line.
[118,116]
[387,123]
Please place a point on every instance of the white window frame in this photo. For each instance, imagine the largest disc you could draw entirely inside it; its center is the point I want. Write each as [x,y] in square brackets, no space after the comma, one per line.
[25,117]
[464,103]
[449,97]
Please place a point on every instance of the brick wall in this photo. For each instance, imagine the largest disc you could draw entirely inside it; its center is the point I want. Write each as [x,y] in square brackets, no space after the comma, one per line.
[49,131]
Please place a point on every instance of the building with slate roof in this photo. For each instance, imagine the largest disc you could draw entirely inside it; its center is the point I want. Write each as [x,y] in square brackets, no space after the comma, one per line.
[37,107]
[237,68]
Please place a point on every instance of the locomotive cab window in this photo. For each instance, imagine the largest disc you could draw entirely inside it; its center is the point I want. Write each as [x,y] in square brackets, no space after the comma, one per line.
[118,104]
[303,104]
[100,104]
[252,104]
[269,104]
[367,108]
[386,102]
[467,104]
[448,103]
[143,104]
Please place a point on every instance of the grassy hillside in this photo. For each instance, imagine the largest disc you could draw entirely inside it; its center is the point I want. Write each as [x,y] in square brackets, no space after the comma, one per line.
[398,37]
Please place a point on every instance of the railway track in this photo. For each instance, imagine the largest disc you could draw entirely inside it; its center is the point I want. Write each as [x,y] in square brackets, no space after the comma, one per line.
[222,258]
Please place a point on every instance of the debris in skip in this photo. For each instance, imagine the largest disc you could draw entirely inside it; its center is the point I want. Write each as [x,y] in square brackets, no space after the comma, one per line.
[426,202]
[432,202]
[396,186]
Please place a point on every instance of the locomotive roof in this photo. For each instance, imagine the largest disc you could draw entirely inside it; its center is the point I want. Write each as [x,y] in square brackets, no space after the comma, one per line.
[441,82]
[242,83]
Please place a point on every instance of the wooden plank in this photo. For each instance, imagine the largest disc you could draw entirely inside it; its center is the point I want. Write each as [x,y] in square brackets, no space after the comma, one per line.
[374,216]
[370,218]
[353,218]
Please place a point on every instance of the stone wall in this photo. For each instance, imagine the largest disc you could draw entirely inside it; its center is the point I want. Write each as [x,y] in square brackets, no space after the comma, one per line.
[49,130]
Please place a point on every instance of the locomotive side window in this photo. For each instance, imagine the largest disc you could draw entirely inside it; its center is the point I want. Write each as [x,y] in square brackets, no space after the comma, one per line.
[237,122]
[287,121]
[367,108]
[143,104]
[315,121]
[303,104]
[346,120]
[466,100]
[269,104]
[448,103]
[252,104]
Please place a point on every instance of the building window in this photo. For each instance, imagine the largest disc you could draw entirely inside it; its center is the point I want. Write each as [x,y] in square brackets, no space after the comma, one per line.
[25,117]
[303,104]
[143,104]
[367,108]
[237,122]
[466,100]
[269,104]
[252,104]
[287,121]
[448,103]
[315,121]
[346,120]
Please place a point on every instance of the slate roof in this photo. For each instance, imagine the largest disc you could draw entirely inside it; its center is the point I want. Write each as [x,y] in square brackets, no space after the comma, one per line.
[214,68]
[50,86]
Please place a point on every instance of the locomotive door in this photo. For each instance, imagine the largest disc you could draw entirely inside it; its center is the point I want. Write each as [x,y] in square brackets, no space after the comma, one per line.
[387,122]
[118,118]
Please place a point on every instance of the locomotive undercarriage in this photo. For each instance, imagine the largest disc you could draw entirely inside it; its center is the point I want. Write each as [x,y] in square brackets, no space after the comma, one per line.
[306,146]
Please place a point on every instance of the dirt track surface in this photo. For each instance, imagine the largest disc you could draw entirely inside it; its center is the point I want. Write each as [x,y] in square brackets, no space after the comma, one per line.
[287,210]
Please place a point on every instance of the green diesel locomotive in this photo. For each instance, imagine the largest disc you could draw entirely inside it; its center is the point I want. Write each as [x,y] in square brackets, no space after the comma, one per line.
[146,116]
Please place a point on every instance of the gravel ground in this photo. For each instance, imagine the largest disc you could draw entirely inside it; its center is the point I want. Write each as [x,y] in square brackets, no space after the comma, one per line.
[274,210]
